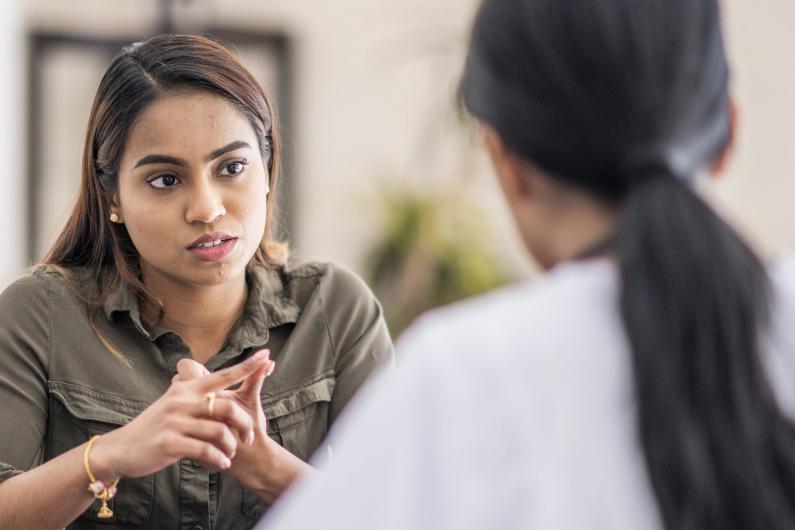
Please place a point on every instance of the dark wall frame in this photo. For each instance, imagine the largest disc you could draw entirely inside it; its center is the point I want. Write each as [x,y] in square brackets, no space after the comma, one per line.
[39,43]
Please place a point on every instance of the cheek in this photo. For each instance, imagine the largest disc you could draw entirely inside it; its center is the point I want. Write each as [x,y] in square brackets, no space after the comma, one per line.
[253,215]
[254,206]
[150,226]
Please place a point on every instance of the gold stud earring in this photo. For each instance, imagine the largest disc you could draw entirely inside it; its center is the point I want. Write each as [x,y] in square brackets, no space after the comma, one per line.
[114,218]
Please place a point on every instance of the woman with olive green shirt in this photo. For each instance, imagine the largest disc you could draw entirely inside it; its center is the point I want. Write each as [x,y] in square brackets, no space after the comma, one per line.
[60,385]
[158,298]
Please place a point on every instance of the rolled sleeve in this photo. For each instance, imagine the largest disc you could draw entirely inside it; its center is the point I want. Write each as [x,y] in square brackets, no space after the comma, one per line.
[6,472]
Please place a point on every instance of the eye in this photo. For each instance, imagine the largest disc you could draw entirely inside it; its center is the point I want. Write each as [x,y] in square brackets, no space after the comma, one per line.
[164,181]
[234,167]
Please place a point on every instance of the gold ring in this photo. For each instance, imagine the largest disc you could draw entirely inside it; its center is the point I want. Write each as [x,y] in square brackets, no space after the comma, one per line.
[210,403]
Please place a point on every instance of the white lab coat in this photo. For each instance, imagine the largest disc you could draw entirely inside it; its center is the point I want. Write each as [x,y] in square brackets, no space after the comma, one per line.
[512,410]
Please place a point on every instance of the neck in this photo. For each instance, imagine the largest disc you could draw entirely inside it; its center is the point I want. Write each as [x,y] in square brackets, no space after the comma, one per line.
[577,239]
[202,316]
[575,227]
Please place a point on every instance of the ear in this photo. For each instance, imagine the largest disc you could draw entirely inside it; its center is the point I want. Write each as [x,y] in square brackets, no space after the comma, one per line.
[720,163]
[509,167]
[115,210]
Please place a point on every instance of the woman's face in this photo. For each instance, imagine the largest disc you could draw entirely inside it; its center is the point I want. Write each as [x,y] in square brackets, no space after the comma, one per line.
[192,190]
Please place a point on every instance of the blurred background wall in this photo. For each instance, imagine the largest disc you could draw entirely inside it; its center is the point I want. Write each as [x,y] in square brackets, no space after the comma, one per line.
[12,197]
[385,175]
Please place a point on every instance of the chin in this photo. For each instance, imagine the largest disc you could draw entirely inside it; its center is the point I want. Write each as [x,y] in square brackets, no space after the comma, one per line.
[219,273]
[192,272]
[209,274]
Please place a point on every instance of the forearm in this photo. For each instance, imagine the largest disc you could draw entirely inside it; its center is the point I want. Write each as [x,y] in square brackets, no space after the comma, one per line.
[49,496]
[277,470]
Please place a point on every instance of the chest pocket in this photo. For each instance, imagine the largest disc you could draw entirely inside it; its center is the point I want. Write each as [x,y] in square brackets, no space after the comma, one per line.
[78,413]
[297,420]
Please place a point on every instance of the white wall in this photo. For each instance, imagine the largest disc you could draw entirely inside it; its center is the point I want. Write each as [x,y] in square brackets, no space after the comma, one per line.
[12,177]
[758,188]
[374,96]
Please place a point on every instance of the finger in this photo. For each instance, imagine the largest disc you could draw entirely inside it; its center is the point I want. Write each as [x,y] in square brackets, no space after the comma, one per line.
[262,420]
[257,390]
[246,389]
[176,379]
[250,380]
[190,369]
[234,374]
[206,454]
[227,411]
[214,432]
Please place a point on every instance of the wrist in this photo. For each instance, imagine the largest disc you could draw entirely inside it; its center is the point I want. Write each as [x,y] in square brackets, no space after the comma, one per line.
[102,460]
[279,468]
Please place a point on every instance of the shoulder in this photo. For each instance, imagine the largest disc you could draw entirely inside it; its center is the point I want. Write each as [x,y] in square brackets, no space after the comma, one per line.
[327,284]
[43,287]
[31,290]
[540,350]
[25,313]
[341,302]
[537,315]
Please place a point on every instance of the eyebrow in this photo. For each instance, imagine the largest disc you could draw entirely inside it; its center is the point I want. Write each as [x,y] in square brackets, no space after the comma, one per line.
[176,161]
[239,144]
[161,159]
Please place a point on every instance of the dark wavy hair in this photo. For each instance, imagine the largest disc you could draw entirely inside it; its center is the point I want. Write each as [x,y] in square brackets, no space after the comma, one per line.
[139,75]
[628,100]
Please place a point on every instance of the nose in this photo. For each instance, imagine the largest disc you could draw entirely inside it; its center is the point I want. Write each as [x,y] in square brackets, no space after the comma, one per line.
[205,203]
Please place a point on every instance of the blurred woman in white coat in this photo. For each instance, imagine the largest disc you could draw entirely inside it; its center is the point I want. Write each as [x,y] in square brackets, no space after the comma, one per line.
[648,380]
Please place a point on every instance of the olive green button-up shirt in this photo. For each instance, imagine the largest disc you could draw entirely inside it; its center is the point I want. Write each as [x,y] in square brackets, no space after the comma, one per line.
[59,385]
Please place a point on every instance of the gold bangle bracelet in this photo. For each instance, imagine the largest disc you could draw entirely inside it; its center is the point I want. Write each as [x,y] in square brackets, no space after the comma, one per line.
[97,487]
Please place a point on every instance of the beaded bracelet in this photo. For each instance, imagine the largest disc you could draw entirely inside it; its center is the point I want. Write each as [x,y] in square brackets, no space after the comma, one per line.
[97,487]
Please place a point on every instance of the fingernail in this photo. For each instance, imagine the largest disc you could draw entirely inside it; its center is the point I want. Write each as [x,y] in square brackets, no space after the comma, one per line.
[250,438]
[272,368]
[227,463]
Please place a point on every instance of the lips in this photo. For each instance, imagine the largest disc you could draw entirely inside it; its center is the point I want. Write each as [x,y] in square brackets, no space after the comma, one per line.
[213,247]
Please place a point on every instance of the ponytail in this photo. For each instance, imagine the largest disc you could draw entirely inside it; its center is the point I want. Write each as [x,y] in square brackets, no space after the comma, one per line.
[694,299]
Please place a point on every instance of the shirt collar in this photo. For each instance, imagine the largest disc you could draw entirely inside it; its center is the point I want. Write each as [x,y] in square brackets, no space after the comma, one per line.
[267,306]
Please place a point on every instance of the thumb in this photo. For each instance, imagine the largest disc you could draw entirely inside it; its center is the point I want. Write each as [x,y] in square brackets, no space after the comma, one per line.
[245,386]
[252,386]
[188,369]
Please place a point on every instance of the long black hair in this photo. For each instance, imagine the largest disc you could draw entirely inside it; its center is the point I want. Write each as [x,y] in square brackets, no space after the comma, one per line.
[628,99]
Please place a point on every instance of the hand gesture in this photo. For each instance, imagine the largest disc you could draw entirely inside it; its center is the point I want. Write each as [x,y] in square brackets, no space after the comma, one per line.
[260,448]
[196,419]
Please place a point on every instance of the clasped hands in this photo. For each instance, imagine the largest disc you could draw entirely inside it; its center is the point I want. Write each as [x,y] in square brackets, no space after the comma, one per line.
[202,419]
[252,444]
